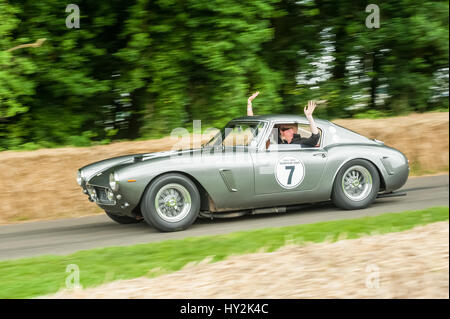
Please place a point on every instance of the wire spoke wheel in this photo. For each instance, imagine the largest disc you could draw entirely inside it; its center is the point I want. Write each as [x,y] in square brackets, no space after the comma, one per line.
[357,183]
[173,202]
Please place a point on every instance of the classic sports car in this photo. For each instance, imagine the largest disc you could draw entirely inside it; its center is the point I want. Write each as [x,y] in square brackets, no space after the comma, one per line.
[244,170]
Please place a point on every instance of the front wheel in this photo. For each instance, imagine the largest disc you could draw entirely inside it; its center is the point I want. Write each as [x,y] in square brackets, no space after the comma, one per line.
[356,185]
[171,203]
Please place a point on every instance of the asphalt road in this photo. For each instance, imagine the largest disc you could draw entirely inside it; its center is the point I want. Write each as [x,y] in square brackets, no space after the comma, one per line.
[66,236]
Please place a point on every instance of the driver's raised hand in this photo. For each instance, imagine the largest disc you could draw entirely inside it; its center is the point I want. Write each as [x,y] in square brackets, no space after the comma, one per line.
[309,111]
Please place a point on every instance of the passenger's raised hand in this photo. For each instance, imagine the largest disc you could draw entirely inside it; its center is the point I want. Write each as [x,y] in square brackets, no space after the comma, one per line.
[309,111]
[249,103]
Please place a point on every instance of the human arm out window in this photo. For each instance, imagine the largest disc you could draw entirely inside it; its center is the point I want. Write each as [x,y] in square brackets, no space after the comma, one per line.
[307,138]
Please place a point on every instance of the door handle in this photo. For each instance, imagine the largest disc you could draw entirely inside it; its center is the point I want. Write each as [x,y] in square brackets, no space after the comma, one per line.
[321,154]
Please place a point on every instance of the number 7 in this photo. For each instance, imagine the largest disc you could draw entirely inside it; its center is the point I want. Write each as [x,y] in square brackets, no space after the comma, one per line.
[292,168]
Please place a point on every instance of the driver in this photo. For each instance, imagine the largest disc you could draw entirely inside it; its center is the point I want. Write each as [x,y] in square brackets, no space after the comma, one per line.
[288,132]
[288,135]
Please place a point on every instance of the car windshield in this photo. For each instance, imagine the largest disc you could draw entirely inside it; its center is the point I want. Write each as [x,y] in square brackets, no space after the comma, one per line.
[237,134]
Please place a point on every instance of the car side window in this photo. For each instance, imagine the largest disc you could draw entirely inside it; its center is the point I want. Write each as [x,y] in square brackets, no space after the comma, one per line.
[274,138]
[305,132]
[242,134]
[302,129]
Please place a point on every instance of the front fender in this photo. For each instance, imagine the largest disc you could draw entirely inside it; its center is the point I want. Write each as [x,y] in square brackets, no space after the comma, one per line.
[134,178]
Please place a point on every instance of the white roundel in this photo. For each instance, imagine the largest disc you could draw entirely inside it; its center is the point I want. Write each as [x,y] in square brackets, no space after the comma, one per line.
[289,172]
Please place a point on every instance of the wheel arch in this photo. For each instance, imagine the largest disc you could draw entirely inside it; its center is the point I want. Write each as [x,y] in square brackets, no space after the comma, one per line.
[205,198]
[380,174]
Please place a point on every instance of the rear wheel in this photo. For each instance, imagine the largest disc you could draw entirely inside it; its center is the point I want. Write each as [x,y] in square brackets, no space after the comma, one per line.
[171,203]
[123,219]
[356,185]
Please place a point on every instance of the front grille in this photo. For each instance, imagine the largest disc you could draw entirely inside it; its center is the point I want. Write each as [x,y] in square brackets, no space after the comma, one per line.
[102,197]
[101,194]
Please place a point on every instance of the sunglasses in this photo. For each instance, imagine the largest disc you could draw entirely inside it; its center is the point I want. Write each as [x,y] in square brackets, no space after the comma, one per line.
[282,129]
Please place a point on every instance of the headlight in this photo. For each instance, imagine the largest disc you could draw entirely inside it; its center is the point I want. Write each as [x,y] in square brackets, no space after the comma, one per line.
[79,178]
[114,182]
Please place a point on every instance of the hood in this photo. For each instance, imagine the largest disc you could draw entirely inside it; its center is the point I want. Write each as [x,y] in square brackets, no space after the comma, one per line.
[100,167]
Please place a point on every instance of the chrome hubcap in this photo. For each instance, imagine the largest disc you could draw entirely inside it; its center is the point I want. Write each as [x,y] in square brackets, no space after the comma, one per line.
[357,183]
[173,202]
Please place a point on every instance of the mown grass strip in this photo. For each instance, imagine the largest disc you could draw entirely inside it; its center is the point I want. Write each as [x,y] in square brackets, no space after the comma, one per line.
[31,277]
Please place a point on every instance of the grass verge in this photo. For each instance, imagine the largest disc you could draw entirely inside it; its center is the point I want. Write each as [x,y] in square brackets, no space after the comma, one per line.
[31,277]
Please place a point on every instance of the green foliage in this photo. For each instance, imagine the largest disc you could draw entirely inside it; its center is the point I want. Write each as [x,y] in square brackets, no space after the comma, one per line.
[15,84]
[30,146]
[140,68]
[197,60]
[84,140]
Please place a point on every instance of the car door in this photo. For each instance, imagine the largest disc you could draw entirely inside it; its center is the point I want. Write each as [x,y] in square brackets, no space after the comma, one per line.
[288,169]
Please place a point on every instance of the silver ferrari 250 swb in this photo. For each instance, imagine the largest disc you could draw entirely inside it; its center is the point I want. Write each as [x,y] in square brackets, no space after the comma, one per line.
[245,169]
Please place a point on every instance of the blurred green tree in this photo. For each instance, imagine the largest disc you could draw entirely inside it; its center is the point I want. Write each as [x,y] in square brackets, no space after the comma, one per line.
[197,59]
[141,68]
[16,87]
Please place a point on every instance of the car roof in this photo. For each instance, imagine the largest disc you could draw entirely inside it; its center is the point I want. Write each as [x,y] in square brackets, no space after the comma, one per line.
[280,117]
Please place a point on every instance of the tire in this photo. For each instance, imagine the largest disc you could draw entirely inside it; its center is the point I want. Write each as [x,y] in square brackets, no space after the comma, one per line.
[123,219]
[356,185]
[171,203]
